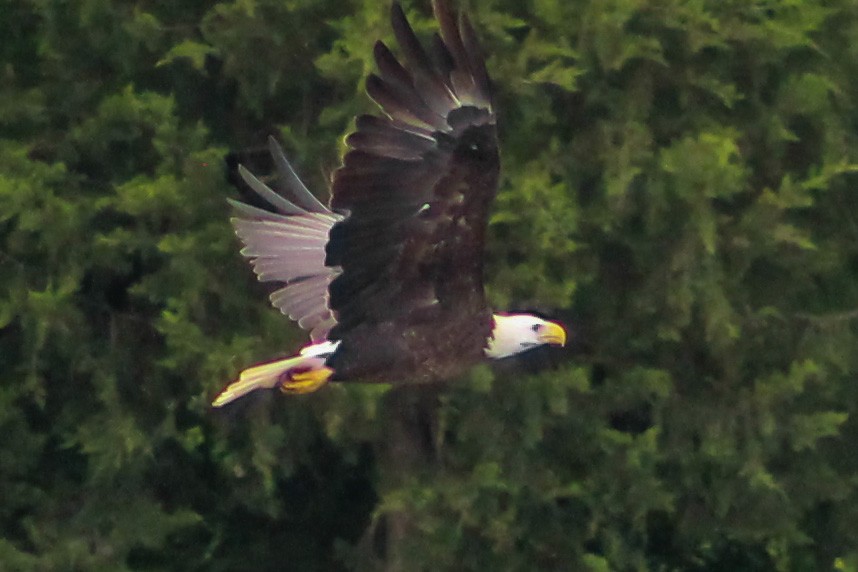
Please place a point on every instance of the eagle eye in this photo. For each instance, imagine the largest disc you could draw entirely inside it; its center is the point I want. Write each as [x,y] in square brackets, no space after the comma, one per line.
[536,327]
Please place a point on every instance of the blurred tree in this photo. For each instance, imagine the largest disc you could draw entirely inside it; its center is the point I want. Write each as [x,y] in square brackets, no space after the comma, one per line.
[679,184]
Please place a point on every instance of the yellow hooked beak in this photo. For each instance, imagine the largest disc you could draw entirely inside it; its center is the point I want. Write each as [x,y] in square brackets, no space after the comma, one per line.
[554,334]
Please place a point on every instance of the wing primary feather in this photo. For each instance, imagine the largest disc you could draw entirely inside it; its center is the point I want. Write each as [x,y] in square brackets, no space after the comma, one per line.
[408,41]
[399,104]
[391,70]
[305,222]
[396,144]
[477,61]
[255,213]
[462,76]
[373,124]
[443,59]
[290,180]
[450,34]
[295,224]
[427,81]
[264,191]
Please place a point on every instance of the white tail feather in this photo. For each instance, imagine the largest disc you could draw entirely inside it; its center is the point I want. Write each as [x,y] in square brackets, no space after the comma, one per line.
[266,375]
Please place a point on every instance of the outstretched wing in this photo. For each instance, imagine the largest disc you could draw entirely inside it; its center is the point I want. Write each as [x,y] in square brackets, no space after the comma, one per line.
[288,246]
[417,185]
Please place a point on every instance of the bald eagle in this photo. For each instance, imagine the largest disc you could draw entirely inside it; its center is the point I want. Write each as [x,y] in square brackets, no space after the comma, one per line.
[388,279]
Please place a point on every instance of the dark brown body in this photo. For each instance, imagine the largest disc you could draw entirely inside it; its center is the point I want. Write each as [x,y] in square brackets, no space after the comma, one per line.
[423,353]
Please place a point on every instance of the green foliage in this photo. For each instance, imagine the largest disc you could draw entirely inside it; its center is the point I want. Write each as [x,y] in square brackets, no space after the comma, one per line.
[679,183]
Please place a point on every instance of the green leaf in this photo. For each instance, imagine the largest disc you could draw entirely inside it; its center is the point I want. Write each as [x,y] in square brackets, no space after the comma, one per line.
[195,52]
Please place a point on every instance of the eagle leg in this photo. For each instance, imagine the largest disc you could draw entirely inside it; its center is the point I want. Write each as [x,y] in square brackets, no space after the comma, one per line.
[300,382]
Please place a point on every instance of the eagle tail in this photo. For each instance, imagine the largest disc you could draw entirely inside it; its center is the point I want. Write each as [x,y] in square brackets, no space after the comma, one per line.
[299,374]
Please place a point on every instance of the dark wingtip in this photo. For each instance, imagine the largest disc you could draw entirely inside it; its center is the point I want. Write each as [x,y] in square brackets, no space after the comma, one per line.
[397,15]
[291,183]
[441,6]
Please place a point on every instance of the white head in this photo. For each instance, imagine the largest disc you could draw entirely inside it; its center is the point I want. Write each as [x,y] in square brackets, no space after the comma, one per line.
[514,333]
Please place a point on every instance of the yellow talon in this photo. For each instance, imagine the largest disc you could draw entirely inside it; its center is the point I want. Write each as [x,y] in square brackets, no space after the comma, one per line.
[305,381]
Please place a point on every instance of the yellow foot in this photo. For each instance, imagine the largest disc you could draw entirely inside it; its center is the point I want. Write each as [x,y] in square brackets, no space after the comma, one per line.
[305,381]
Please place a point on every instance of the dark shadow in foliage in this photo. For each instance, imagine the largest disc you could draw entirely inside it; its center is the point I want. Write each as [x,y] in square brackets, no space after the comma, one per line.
[324,502]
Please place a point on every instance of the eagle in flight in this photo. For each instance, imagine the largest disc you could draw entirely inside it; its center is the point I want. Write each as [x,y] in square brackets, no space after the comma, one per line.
[388,279]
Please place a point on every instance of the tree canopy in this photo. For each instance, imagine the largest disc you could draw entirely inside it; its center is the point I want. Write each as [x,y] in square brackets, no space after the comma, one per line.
[679,186]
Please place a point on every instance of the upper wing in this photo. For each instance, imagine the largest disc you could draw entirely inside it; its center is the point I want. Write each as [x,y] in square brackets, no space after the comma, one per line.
[417,183]
[289,246]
